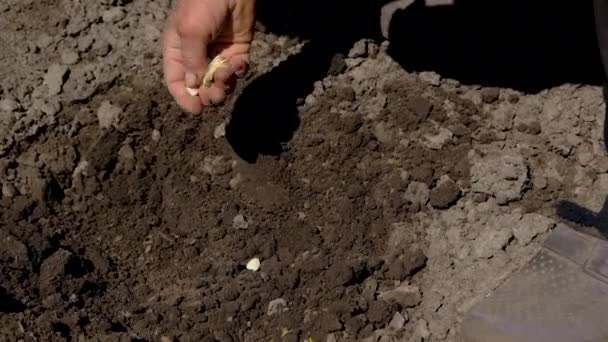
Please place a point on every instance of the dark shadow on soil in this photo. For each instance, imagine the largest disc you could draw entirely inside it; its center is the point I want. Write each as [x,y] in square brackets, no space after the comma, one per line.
[8,303]
[526,45]
[577,214]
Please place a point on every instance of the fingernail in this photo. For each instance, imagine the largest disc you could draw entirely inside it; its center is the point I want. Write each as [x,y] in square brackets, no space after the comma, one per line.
[191,81]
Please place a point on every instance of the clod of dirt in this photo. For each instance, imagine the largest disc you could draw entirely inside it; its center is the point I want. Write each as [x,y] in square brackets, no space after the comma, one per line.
[108,114]
[13,253]
[113,15]
[397,322]
[436,142]
[490,95]
[239,222]
[55,77]
[276,306]
[410,262]
[430,77]
[496,235]
[422,330]
[530,226]
[445,194]
[52,270]
[9,105]
[503,177]
[406,296]
[417,193]
[69,57]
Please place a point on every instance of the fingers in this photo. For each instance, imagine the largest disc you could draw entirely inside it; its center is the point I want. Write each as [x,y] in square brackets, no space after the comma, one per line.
[195,33]
[173,69]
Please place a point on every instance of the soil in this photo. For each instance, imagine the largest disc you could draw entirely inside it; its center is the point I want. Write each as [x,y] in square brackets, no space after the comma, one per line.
[381,203]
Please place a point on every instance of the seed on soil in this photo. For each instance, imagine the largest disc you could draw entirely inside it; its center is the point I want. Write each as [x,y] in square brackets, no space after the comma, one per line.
[253,264]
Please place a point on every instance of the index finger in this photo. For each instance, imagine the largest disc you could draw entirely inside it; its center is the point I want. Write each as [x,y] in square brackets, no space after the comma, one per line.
[174,72]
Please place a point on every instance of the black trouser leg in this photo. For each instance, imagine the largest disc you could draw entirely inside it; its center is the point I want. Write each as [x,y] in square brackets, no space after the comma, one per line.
[601,24]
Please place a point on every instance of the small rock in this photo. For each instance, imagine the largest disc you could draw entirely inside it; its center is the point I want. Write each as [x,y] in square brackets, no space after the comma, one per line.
[113,15]
[166,339]
[530,226]
[430,77]
[239,222]
[406,296]
[69,57]
[108,114]
[9,105]
[55,77]
[156,135]
[490,95]
[220,131]
[445,194]
[330,338]
[276,306]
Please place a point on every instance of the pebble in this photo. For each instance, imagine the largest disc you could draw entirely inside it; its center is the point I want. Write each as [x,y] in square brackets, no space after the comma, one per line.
[219,131]
[330,338]
[55,77]
[107,114]
[156,135]
[422,329]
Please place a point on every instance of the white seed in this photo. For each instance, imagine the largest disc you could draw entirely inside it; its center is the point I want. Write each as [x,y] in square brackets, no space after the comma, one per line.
[192,91]
[253,264]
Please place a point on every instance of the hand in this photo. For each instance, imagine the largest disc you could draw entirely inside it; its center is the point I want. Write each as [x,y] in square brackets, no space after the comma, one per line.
[195,32]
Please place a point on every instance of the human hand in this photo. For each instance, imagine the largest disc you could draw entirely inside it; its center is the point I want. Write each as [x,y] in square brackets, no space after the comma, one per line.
[196,31]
